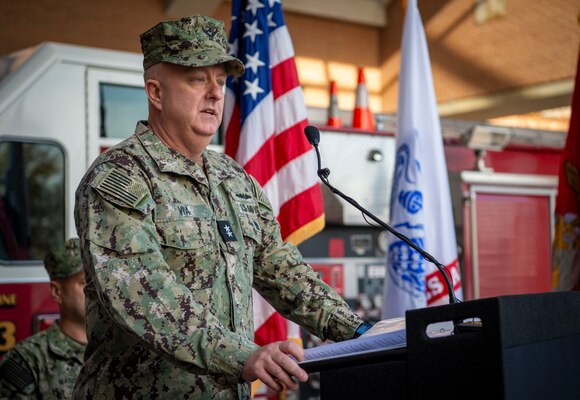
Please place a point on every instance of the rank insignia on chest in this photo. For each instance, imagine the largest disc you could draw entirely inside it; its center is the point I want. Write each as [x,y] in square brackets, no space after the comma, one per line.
[226,231]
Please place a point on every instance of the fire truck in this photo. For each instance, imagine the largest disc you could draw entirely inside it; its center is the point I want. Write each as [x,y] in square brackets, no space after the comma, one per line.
[61,105]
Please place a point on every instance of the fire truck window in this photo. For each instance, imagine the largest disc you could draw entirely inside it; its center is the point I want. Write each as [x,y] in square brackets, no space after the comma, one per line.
[32,199]
[121,108]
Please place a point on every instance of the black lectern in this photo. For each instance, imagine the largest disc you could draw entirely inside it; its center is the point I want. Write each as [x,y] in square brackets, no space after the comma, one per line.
[528,347]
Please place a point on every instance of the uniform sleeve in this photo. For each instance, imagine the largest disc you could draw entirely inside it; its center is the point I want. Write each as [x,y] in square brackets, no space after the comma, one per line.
[16,379]
[136,286]
[293,288]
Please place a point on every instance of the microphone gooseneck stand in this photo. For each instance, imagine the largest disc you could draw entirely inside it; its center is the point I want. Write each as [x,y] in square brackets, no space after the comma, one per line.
[313,136]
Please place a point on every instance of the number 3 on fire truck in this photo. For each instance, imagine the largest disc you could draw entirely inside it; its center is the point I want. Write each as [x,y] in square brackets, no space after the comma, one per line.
[7,336]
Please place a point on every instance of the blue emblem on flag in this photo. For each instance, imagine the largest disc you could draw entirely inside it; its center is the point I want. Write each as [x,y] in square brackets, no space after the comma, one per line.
[405,175]
[412,200]
[407,265]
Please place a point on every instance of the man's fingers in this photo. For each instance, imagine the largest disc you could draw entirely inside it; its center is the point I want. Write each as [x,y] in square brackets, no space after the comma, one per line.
[290,367]
[275,365]
[281,371]
[293,349]
[270,381]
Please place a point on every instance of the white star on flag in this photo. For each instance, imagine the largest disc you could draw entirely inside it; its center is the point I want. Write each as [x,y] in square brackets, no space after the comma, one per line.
[253,88]
[254,62]
[252,30]
[253,6]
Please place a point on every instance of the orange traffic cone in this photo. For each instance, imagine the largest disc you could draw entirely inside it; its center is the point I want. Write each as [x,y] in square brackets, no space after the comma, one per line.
[362,117]
[333,117]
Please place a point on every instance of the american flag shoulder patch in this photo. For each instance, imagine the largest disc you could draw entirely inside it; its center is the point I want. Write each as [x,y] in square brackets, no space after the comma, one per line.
[15,374]
[119,185]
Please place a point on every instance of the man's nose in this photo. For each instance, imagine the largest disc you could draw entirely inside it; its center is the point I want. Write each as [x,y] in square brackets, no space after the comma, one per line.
[216,91]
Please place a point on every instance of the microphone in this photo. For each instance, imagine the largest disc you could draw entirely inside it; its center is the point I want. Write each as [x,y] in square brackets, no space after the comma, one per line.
[313,136]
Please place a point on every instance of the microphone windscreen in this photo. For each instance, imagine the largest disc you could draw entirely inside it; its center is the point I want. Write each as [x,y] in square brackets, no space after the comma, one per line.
[312,134]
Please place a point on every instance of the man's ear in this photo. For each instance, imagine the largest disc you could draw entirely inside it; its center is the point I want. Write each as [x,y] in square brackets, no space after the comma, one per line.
[153,90]
[56,291]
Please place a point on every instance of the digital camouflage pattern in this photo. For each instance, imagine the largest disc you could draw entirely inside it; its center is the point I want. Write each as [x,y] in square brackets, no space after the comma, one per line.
[169,300]
[195,41]
[64,260]
[43,366]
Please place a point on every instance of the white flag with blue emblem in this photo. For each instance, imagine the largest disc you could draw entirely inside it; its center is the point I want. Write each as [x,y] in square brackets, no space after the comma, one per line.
[420,198]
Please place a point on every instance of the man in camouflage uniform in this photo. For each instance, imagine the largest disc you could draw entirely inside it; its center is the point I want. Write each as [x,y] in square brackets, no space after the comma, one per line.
[174,236]
[46,365]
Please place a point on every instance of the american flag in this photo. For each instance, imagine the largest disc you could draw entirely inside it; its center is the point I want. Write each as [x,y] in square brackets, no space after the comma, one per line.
[264,120]
[265,116]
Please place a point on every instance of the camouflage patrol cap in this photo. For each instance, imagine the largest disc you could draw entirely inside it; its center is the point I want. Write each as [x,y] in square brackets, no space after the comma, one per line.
[195,41]
[64,260]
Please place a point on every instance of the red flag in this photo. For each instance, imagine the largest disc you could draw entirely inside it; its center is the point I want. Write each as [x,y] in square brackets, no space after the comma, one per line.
[566,254]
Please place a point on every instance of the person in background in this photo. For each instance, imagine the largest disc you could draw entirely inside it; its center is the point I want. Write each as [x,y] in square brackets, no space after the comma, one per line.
[46,365]
[173,238]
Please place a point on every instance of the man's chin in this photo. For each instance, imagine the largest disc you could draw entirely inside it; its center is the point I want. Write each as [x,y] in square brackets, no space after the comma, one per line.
[207,131]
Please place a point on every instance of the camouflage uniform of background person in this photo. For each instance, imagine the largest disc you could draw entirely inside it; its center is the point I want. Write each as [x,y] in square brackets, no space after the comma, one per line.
[46,365]
[173,238]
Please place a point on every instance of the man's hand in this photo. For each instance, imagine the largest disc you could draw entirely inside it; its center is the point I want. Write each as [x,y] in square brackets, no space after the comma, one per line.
[273,366]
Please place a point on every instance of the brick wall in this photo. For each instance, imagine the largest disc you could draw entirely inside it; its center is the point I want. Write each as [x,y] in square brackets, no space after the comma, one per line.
[103,23]
[537,41]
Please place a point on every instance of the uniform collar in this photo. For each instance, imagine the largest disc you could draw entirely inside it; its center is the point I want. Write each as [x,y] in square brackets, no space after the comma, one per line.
[169,160]
[62,344]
